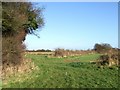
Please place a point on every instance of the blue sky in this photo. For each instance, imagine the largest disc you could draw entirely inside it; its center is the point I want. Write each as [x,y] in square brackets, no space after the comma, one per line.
[76,25]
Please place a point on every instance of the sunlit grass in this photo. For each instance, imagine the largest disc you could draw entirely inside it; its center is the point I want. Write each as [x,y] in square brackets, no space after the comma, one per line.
[0,84]
[57,73]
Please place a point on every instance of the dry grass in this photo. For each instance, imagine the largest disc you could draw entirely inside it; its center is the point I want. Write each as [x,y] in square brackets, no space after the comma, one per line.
[25,67]
[40,53]
[64,53]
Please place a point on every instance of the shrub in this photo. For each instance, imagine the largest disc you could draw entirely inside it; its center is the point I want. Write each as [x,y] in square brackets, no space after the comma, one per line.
[109,60]
[102,48]
[18,20]
[11,51]
[63,53]
[59,52]
[104,59]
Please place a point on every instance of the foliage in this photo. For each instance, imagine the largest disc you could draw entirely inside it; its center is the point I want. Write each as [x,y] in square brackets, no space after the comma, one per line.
[108,60]
[39,50]
[103,60]
[16,15]
[102,48]
[66,52]
[59,52]
[18,19]
[11,51]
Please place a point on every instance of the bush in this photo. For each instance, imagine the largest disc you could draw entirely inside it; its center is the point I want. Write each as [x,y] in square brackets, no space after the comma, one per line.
[64,53]
[18,20]
[12,51]
[59,52]
[102,48]
[109,60]
[103,60]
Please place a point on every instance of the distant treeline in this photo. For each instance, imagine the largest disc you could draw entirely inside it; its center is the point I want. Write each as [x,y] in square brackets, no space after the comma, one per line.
[40,50]
[98,48]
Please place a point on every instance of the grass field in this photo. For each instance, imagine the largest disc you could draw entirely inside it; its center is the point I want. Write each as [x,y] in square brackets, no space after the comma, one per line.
[69,72]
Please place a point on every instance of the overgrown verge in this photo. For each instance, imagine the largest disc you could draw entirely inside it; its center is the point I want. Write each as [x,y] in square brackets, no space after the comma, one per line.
[64,53]
[12,51]
[109,60]
[18,20]
[27,66]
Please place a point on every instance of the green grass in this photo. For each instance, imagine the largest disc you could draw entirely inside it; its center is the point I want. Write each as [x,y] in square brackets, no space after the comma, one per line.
[0,84]
[56,73]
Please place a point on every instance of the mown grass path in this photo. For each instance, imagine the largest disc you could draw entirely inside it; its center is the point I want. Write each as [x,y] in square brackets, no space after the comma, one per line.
[69,72]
